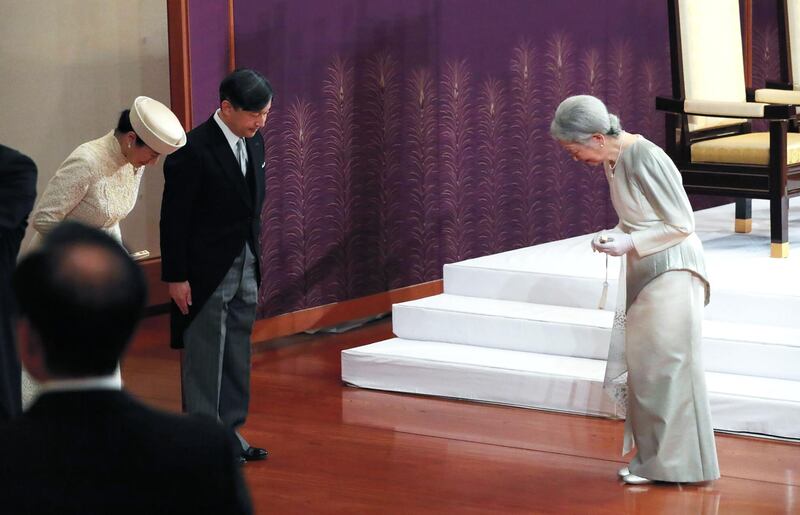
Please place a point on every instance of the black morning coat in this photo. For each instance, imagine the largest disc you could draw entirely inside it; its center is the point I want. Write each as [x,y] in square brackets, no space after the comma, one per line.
[208,213]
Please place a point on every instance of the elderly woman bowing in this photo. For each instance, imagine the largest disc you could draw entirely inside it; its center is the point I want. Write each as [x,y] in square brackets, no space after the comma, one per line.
[665,292]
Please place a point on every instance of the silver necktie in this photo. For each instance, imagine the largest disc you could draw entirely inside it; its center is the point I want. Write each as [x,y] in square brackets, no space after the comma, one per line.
[242,155]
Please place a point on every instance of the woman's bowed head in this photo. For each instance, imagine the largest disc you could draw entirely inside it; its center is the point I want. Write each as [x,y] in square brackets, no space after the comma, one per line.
[584,127]
[147,131]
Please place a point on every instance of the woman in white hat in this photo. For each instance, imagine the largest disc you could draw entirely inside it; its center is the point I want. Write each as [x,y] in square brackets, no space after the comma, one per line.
[99,182]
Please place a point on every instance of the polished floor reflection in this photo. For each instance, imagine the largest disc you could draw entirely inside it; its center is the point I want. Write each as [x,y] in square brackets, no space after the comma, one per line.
[335,449]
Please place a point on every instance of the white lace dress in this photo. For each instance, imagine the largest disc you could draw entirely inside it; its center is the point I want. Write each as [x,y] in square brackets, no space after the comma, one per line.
[96,186]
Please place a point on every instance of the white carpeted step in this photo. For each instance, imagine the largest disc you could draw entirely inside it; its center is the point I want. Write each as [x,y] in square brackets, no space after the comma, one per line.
[479,373]
[738,403]
[562,273]
[533,334]
[747,286]
[743,349]
[504,324]
[728,302]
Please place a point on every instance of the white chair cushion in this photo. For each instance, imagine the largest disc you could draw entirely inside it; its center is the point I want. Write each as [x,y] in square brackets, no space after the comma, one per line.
[778,96]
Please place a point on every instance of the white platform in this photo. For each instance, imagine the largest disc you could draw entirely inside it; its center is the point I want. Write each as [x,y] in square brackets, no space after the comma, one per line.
[523,328]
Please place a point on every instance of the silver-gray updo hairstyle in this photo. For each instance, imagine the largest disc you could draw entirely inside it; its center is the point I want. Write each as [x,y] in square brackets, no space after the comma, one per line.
[578,117]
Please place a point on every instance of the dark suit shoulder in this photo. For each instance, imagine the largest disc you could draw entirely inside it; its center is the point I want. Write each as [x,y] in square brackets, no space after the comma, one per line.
[204,132]
[16,163]
[196,138]
[186,159]
[9,155]
[104,452]
[123,414]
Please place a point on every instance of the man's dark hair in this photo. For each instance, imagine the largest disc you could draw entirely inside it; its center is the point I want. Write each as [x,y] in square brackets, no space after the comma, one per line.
[124,126]
[84,296]
[246,89]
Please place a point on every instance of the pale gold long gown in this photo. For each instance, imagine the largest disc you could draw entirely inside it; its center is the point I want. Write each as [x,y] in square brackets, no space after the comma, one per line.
[666,290]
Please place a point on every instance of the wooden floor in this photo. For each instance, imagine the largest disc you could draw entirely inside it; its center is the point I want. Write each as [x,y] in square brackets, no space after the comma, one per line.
[336,449]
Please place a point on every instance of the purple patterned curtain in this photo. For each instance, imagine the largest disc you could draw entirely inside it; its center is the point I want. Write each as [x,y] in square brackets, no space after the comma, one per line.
[406,135]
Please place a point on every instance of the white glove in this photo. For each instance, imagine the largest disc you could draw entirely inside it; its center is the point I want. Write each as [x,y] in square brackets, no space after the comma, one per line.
[596,240]
[617,244]
[603,237]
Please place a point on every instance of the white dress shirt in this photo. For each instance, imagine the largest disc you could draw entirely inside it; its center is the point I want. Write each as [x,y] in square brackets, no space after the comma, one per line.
[109,382]
[233,140]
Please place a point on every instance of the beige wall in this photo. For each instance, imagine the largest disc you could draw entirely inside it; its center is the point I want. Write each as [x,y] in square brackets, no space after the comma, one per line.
[67,69]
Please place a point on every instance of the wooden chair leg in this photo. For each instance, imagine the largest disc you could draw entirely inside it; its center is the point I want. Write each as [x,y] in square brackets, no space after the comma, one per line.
[744,215]
[779,227]
[778,192]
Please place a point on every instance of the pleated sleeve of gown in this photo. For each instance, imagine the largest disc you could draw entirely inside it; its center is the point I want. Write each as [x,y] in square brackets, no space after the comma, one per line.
[654,209]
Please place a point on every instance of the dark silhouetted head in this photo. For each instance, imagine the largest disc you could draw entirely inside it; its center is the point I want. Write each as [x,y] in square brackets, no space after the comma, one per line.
[82,296]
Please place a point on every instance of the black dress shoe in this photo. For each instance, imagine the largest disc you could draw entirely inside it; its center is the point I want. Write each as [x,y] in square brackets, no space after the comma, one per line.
[241,460]
[254,453]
